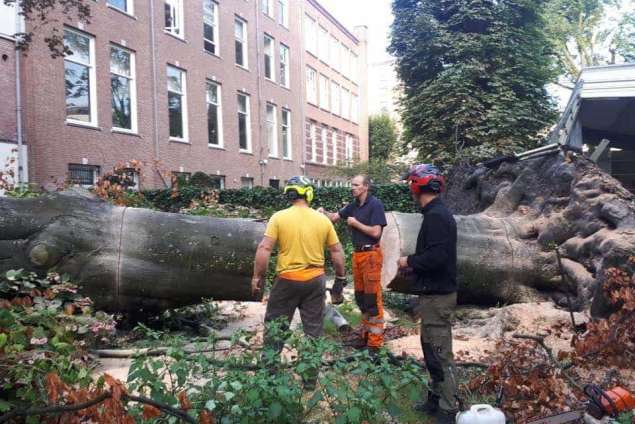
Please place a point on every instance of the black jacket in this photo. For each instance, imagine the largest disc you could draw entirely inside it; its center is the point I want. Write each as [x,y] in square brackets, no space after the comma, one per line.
[434,261]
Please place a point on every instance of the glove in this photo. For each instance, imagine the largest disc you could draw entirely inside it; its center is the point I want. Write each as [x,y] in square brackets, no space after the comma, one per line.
[337,296]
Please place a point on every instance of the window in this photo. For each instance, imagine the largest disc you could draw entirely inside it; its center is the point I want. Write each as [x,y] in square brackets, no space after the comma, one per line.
[246,182]
[269,66]
[271,129]
[354,68]
[355,109]
[325,146]
[324,45]
[313,135]
[217,182]
[244,124]
[334,54]
[240,32]
[123,5]
[274,183]
[349,150]
[122,84]
[83,175]
[286,134]
[181,178]
[324,92]
[267,7]
[283,13]
[284,66]
[334,143]
[311,85]
[79,76]
[346,104]
[346,64]
[177,107]
[214,115]
[174,17]
[210,26]
[311,39]
[336,106]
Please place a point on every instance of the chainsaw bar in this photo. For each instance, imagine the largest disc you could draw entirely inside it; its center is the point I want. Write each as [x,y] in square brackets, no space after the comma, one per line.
[562,418]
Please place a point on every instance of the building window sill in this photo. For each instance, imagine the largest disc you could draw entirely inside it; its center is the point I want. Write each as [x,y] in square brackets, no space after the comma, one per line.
[245,152]
[244,68]
[215,147]
[124,131]
[179,140]
[85,125]
[123,12]
[271,80]
[178,37]
[212,54]
[288,159]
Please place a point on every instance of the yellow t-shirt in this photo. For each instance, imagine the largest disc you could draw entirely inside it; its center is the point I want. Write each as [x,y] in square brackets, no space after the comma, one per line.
[302,234]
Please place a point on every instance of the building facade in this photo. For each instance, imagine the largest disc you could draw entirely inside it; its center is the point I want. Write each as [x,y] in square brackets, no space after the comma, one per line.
[217,86]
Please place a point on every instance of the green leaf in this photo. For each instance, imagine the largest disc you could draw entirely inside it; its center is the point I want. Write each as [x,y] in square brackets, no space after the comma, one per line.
[210,405]
[354,414]
[229,396]
[275,409]
[236,385]
[4,405]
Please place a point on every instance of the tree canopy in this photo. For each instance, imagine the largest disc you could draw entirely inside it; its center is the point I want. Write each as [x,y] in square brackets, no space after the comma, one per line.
[382,137]
[474,74]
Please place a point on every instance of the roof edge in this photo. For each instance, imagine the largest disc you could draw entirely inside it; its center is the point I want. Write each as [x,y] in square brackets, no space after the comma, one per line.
[334,20]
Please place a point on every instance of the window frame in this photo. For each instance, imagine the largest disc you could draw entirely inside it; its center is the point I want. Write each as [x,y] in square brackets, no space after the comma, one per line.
[348,154]
[215,27]
[129,10]
[244,43]
[283,13]
[219,113]
[180,12]
[313,136]
[95,169]
[354,108]
[285,72]
[324,92]
[271,129]
[269,56]
[133,91]
[249,180]
[323,44]
[247,114]
[92,80]
[346,104]
[336,98]
[286,141]
[334,134]
[311,35]
[183,94]
[334,53]
[268,10]
[312,88]
[325,144]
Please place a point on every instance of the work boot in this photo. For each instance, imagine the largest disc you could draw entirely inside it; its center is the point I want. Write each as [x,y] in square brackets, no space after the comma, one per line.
[430,406]
[446,417]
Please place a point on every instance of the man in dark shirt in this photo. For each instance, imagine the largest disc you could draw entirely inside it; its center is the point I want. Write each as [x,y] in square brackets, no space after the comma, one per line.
[366,218]
[434,267]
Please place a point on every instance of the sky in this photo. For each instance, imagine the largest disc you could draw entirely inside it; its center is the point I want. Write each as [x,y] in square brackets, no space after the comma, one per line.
[375,14]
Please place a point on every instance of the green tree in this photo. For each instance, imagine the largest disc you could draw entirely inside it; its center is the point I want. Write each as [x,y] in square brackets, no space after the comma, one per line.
[474,74]
[382,137]
[583,35]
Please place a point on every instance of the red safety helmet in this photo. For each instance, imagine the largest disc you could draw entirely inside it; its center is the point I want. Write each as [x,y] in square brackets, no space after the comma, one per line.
[425,177]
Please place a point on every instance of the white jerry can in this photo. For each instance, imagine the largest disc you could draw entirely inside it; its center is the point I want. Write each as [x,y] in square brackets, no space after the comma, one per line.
[481,414]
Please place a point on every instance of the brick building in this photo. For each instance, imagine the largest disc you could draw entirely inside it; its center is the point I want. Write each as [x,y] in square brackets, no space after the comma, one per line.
[218,86]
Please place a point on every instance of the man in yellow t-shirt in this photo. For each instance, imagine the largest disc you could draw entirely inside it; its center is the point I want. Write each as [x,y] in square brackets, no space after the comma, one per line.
[302,234]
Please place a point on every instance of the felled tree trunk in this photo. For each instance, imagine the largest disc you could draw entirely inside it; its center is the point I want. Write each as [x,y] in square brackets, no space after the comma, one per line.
[519,214]
[126,259]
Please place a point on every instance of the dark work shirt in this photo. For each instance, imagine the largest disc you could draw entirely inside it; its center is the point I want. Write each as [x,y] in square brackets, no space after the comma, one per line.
[434,261]
[370,213]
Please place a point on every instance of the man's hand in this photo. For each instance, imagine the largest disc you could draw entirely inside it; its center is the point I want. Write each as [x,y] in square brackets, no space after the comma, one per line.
[321,210]
[337,291]
[351,221]
[403,262]
[256,286]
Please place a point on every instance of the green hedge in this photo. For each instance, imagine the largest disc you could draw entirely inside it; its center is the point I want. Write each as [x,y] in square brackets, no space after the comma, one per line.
[169,201]
[395,197]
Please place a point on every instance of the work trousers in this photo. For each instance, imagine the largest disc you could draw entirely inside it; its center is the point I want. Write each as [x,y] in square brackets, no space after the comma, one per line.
[286,296]
[367,277]
[437,313]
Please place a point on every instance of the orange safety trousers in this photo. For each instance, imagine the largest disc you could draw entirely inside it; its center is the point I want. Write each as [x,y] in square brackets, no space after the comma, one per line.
[367,277]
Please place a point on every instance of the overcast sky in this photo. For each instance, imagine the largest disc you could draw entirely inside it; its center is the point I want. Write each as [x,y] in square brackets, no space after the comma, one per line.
[375,14]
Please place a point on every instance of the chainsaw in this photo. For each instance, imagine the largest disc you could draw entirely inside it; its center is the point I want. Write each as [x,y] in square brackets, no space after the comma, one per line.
[610,403]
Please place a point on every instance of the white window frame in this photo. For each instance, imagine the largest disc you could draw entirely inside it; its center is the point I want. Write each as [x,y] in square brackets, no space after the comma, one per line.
[283,13]
[177,30]
[92,80]
[129,10]
[214,25]
[243,42]
[336,98]
[355,108]
[285,74]
[94,169]
[323,44]
[183,95]
[311,35]
[286,140]
[346,104]
[271,129]
[269,55]
[334,134]
[354,76]
[312,86]
[349,150]
[133,91]
[267,7]
[324,85]
[247,120]
[313,135]
[325,145]
[248,180]
[219,114]
[334,53]
[346,64]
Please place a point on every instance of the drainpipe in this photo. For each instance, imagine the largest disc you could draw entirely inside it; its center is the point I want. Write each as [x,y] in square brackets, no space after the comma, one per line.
[155,93]
[262,162]
[303,100]
[18,96]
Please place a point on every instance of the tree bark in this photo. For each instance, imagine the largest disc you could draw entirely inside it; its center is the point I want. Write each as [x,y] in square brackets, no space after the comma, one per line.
[127,259]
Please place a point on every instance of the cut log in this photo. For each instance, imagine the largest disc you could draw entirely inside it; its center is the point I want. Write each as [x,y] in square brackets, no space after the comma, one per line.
[127,259]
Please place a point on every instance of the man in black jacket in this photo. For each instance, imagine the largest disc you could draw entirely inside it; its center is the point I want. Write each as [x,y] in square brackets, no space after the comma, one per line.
[434,267]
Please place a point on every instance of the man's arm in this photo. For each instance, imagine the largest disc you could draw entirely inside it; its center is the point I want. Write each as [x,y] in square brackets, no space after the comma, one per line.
[263,253]
[436,255]
[373,231]
[333,216]
[339,262]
